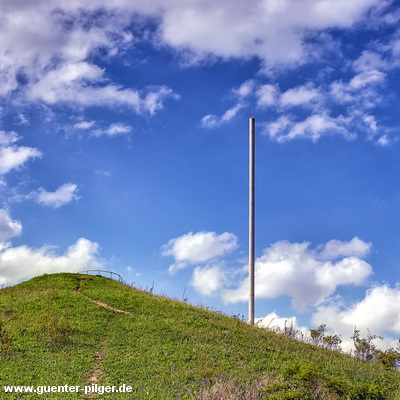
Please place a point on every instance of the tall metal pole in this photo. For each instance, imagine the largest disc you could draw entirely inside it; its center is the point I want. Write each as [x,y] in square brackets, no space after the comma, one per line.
[252,123]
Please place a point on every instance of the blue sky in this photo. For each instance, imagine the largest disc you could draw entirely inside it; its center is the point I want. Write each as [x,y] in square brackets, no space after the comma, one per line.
[124,146]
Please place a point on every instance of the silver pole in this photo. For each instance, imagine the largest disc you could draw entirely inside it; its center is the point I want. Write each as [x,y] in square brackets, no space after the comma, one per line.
[252,123]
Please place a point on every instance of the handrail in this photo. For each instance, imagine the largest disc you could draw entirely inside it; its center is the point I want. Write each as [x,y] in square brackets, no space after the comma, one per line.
[100,271]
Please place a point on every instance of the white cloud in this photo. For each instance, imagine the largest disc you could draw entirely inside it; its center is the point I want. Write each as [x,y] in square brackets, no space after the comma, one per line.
[85,125]
[305,96]
[34,36]
[213,121]
[366,78]
[383,141]
[82,84]
[200,247]
[370,61]
[8,227]
[8,137]
[208,280]
[303,274]
[210,121]
[336,248]
[12,157]
[51,45]
[63,195]
[115,129]
[245,90]
[274,31]
[267,95]
[377,312]
[22,119]
[313,128]
[22,262]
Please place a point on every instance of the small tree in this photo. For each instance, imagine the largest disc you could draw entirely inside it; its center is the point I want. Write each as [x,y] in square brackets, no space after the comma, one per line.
[332,342]
[317,335]
[365,349]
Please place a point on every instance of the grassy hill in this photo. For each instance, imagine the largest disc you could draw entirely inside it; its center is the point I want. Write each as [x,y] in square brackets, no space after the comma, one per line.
[52,334]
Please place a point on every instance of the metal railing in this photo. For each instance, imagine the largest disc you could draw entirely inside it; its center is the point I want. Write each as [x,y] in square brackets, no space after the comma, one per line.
[106,274]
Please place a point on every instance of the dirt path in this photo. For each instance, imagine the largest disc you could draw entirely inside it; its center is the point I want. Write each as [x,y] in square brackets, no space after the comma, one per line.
[99,303]
[96,371]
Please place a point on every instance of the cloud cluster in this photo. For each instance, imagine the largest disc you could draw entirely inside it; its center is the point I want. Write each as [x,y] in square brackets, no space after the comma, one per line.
[346,104]
[274,31]
[46,48]
[308,276]
[47,53]
[377,312]
[321,107]
[22,262]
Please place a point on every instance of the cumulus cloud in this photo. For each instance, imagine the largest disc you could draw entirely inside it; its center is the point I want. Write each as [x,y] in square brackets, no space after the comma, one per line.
[8,227]
[377,312]
[63,195]
[304,274]
[22,262]
[199,247]
[275,32]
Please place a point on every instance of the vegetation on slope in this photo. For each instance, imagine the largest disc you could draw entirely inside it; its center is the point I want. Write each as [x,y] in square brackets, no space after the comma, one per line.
[50,334]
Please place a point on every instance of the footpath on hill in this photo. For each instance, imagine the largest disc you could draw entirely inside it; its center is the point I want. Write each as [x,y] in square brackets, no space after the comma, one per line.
[100,303]
[96,370]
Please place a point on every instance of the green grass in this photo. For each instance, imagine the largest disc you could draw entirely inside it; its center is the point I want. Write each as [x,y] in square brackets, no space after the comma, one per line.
[50,335]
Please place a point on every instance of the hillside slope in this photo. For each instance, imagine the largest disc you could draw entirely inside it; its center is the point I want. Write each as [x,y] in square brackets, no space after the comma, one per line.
[53,333]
